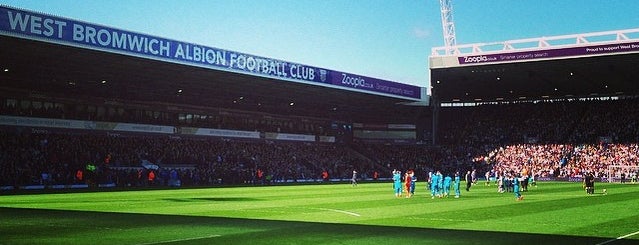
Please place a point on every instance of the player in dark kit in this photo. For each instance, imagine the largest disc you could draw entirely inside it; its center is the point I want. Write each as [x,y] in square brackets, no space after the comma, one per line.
[589,182]
[469,180]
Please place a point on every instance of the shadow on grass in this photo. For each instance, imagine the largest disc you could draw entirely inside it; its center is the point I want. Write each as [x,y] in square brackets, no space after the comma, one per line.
[213,199]
[38,226]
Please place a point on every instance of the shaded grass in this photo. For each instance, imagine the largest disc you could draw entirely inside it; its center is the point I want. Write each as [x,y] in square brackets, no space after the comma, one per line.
[554,213]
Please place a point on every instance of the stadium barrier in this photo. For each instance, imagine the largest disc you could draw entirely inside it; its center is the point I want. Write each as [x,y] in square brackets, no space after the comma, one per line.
[43,187]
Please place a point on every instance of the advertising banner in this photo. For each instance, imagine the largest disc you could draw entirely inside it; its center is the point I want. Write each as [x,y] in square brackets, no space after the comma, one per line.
[293,137]
[220,133]
[131,127]
[78,124]
[45,122]
[550,53]
[53,29]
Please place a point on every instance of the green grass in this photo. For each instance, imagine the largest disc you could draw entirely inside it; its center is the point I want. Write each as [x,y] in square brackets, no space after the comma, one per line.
[553,213]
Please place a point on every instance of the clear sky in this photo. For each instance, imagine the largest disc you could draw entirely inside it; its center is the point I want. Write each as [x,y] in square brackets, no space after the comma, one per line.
[386,39]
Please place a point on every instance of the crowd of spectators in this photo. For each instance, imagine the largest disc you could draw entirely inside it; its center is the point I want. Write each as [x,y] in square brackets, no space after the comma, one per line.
[26,157]
[565,160]
[548,139]
[551,139]
[422,159]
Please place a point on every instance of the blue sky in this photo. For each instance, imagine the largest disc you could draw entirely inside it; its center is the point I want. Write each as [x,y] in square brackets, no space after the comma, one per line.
[386,39]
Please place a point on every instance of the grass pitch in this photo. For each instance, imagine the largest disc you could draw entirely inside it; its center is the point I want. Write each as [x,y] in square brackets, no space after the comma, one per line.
[553,213]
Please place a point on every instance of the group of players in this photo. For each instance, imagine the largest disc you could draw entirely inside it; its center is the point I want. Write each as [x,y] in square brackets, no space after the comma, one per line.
[440,185]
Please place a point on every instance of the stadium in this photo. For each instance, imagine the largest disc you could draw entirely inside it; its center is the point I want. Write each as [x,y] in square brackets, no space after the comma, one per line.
[112,136]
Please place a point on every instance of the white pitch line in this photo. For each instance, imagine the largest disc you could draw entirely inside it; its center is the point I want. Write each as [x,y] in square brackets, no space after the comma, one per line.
[619,238]
[180,240]
[438,219]
[340,211]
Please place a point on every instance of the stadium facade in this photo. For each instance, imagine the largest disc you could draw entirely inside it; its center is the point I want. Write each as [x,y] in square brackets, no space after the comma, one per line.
[103,103]
[47,56]
[558,68]
[119,105]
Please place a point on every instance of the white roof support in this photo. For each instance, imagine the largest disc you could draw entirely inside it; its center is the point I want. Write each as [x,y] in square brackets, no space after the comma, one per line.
[562,41]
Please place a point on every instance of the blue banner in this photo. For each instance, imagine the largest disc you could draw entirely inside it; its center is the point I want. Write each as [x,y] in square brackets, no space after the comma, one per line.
[42,27]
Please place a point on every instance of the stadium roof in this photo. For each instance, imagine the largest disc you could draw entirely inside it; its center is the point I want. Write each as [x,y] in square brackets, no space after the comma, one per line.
[593,65]
[40,56]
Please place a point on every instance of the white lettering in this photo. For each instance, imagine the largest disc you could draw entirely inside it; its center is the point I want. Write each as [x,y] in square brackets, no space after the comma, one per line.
[209,55]
[241,62]
[187,52]
[250,63]
[197,54]
[135,42]
[179,52]
[48,29]
[154,42]
[301,72]
[165,47]
[18,20]
[119,40]
[233,60]
[475,59]
[90,34]
[104,37]
[357,82]
[265,67]
[35,24]
[591,49]
[78,32]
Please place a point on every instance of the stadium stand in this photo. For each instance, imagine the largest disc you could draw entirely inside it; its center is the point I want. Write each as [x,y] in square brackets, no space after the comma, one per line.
[554,117]
[551,139]
[573,141]
[27,156]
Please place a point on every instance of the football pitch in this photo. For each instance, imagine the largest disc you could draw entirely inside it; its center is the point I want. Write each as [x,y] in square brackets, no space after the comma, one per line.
[552,213]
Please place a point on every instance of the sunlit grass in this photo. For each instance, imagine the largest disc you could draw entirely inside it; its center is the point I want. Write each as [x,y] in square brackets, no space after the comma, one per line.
[553,213]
